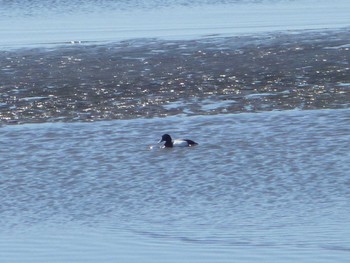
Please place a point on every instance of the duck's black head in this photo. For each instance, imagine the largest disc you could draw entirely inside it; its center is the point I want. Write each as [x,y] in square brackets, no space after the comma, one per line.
[167,139]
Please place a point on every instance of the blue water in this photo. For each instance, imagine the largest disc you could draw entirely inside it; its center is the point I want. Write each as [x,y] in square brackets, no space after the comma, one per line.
[26,23]
[268,186]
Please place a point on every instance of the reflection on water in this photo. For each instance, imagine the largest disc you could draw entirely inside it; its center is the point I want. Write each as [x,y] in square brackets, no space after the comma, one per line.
[276,182]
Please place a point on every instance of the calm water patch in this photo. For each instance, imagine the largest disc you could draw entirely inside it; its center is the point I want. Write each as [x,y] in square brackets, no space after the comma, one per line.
[26,23]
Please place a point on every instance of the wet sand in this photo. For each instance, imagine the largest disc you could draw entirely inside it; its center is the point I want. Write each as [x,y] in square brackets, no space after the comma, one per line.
[155,78]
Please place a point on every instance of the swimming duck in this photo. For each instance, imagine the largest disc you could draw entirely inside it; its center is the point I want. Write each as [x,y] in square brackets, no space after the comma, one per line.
[176,143]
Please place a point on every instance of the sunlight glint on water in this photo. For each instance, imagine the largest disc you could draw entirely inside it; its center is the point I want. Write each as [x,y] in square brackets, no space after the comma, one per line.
[268,186]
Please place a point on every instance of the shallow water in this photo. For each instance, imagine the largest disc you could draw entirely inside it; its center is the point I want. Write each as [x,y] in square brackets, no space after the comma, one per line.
[154,78]
[260,186]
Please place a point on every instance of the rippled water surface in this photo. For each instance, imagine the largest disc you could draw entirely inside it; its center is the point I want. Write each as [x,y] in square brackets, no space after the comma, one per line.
[259,186]
[152,78]
[87,88]
[34,23]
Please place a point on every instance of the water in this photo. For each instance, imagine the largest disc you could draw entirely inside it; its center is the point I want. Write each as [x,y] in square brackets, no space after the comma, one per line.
[267,186]
[31,23]
[87,88]
[155,78]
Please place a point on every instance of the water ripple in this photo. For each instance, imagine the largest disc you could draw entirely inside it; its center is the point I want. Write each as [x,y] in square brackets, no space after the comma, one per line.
[156,78]
[253,179]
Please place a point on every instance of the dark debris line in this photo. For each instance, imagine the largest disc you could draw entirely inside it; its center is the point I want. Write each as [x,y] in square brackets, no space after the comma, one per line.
[139,78]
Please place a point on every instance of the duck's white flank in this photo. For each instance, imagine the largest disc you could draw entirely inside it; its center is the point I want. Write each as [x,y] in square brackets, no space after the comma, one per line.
[180,143]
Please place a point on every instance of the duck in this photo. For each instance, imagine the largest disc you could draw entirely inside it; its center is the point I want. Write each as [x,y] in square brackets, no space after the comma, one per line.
[169,142]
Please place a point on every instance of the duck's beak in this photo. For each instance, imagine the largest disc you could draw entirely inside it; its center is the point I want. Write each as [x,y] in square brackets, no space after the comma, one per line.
[161,140]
